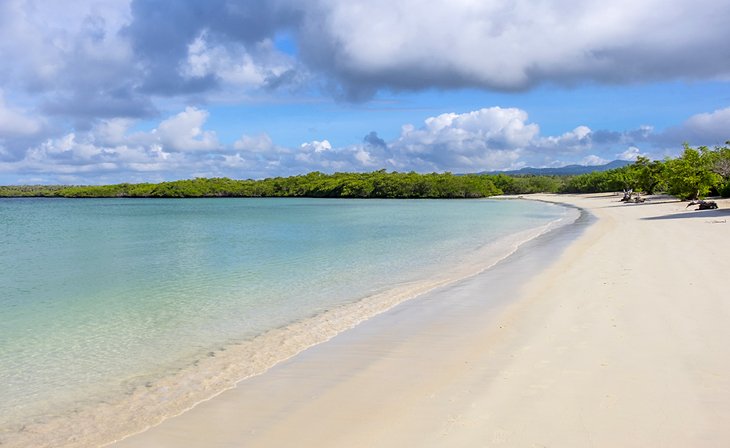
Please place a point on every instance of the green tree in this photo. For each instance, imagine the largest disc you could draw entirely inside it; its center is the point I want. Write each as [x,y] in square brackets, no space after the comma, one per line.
[648,175]
[690,176]
[721,165]
[600,181]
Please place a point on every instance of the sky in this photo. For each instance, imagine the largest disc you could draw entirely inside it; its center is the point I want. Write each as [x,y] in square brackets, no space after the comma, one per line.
[108,91]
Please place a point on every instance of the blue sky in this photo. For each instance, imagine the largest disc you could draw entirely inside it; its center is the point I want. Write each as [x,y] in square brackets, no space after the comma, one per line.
[99,91]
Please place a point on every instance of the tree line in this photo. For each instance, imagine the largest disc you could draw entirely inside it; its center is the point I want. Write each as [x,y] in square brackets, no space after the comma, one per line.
[378,184]
[696,173]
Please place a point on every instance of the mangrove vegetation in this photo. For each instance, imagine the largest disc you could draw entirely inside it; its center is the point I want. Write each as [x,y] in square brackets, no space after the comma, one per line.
[696,173]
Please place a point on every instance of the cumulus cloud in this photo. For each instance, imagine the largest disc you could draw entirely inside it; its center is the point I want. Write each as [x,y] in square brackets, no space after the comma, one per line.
[631,153]
[372,139]
[593,160]
[576,140]
[316,146]
[258,65]
[710,128]
[188,47]
[364,46]
[109,151]
[103,58]
[482,140]
[470,141]
[79,155]
[71,60]
[321,156]
[184,132]
[255,144]
[399,44]
[79,77]
[15,123]
[180,146]
[108,59]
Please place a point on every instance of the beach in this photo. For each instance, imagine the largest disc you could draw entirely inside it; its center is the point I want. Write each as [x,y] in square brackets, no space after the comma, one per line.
[616,337]
[212,292]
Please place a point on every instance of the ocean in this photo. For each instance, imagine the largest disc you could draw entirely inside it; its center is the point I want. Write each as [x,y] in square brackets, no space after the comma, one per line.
[116,313]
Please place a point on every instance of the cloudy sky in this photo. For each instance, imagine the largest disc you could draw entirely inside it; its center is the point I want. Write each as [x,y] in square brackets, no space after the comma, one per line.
[100,91]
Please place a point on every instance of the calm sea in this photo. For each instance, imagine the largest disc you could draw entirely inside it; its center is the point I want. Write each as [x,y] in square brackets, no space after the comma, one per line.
[102,301]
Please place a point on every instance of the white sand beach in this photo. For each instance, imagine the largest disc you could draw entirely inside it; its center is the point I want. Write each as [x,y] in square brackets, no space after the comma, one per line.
[621,340]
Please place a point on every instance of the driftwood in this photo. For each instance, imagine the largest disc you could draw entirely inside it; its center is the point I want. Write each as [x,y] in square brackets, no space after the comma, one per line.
[631,196]
[703,205]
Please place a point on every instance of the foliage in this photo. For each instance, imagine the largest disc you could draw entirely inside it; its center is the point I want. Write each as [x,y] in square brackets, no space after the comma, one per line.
[694,174]
[378,184]
[647,175]
[598,182]
[690,176]
[720,161]
[526,184]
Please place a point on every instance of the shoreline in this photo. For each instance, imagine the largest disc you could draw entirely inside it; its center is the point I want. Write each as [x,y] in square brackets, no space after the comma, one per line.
[550,238]
[211,376]
[618,341]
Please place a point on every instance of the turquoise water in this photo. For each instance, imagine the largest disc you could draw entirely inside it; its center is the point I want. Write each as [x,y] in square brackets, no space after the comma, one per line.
[98,293]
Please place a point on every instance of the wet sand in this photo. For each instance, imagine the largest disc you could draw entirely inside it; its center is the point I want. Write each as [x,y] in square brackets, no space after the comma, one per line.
[619,338]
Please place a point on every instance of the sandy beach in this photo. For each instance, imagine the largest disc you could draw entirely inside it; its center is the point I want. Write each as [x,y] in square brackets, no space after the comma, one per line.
[619,338]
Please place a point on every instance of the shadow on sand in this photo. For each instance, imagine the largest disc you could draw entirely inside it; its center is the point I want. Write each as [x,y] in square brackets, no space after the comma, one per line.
[701,214]
[649,201]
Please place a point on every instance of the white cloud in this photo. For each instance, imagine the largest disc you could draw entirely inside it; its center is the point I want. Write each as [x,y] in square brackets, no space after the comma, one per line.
[631,153]
[475,140]
[53,46]
[400,43]
[112,132]
[258,144]
[179,147]
[237,161]
[235,64]
[712,128]
[97,66]
[577,140]
[593,160]
[365,157]
[364,45]
[486,139]
[184,132]
[712,122]
[316,146]
[110,151]
[15,123]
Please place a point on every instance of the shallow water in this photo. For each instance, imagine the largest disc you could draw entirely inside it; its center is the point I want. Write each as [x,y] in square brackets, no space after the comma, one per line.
[103,298]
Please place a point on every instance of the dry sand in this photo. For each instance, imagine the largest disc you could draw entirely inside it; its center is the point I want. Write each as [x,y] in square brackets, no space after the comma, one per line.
[622,341]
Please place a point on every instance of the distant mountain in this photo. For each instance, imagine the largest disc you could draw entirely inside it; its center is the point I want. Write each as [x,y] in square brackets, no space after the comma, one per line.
[568,170]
